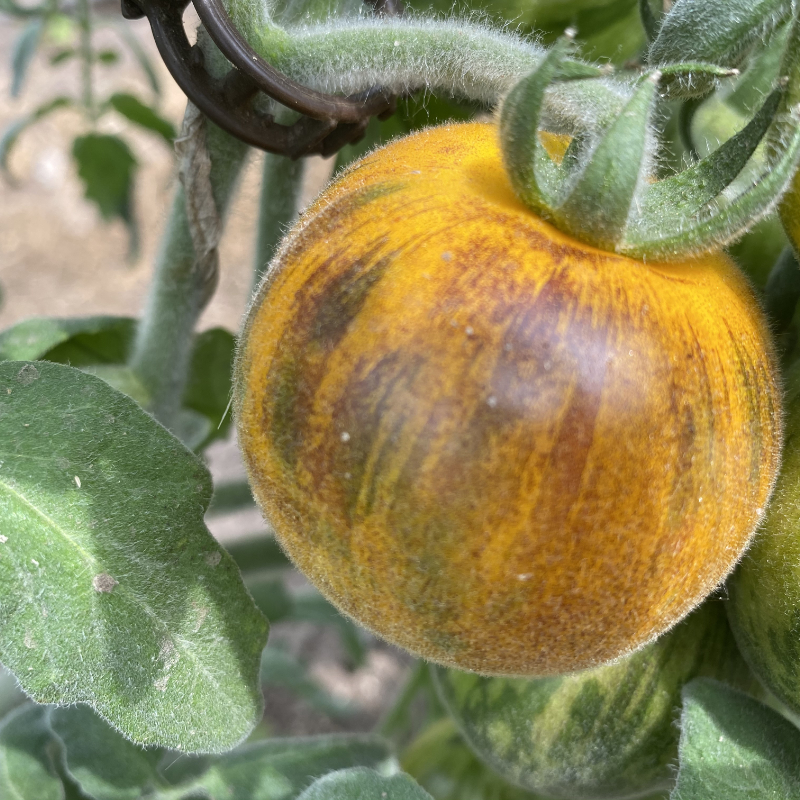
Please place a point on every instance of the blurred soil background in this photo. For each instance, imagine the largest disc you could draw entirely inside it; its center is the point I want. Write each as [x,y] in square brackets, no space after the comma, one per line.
[59,258]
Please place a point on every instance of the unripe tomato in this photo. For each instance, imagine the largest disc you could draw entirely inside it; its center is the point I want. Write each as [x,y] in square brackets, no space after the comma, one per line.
[496,446]
[764,606]
[607,733]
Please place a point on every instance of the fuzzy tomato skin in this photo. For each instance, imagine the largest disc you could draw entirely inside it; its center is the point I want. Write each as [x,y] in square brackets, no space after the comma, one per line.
[493,445]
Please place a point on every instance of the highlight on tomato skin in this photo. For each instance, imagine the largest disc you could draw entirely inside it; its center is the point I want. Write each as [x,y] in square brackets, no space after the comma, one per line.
[495,446]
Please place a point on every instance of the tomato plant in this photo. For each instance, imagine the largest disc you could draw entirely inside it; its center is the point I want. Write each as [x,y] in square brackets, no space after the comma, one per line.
[507,399]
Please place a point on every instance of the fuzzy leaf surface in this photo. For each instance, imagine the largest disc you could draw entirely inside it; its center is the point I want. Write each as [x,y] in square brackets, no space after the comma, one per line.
[101,345]
[78,341]
[104,764]
[112,590]
[364,784]
[280,769]
[108,767]
[717,31]
[25,769]
[734,747]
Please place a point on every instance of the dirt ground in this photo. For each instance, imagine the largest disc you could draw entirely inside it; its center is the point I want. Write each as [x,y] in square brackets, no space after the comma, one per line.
[58,258]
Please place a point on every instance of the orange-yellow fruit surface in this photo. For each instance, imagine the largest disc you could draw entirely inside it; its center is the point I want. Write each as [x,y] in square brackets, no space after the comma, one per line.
[495,446]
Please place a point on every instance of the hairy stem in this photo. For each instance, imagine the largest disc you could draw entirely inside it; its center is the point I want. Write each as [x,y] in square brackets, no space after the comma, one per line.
[281,182]
[450,57]
[87,57]
[179,291]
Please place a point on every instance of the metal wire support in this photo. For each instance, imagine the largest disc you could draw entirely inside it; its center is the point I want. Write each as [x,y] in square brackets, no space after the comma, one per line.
[329,122]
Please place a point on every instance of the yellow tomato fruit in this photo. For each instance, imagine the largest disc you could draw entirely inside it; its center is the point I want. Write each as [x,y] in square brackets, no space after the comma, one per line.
[495,446]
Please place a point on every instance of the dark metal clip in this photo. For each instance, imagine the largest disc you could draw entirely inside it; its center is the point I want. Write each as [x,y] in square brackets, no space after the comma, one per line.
[329,121]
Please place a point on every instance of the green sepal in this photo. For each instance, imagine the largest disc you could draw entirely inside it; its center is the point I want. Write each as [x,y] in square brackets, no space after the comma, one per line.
[689,191]
[533,174]
[599,202]
[650,22]
[717,221]
[715,31]
[691,80]
[723,224]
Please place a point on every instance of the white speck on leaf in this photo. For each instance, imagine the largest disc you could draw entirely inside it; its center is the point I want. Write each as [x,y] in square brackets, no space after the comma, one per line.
[469,330]
[345,436]
[212,559]
[77,481]
[29,642]
[525,576]
[27,375]
[104,583]
[492,402]
[34,562]
[3,539]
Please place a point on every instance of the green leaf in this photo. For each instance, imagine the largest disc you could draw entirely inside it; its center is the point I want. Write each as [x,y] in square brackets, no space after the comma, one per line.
[103,763]
[25,767]
[62,54]
[280,769]
[11,695]
[113,591]
[107,57]
[313,607]
[233,496]
[734,747]
[125,380]
[10,135]
[108,767]
[78,341]
[100,345]
[272,599]
[364,784]
[208,389]
[257,553]
[280,669]
[23,52]
[107,167]
[140,114]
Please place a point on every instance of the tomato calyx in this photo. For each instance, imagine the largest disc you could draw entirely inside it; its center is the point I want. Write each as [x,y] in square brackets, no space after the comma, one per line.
[604,191]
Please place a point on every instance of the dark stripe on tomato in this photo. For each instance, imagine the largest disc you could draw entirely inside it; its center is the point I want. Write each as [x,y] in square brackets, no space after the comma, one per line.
[327,305]
[750,386]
